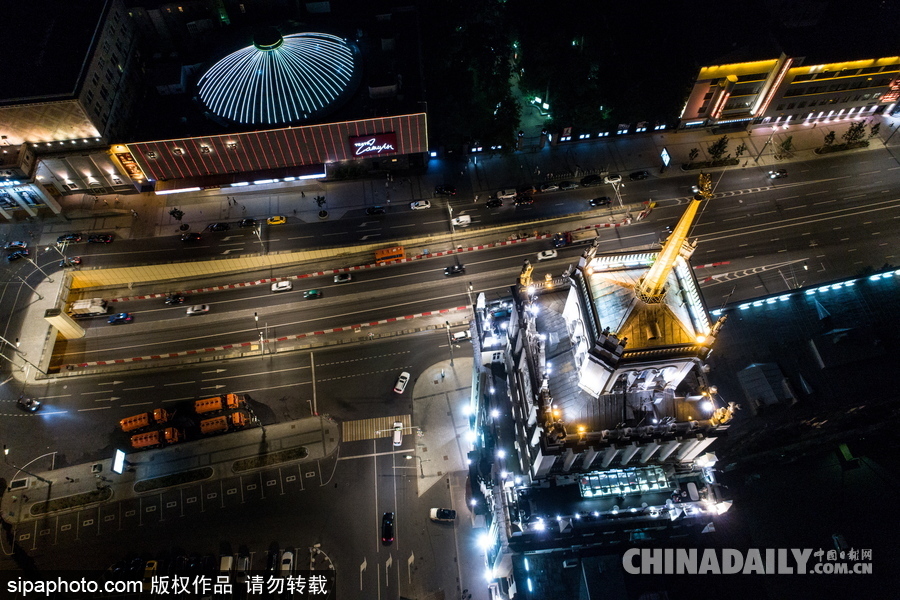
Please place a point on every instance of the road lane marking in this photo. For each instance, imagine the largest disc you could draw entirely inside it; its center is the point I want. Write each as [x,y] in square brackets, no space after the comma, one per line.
[97,408]
[179,383]
[146,387]
[137,404]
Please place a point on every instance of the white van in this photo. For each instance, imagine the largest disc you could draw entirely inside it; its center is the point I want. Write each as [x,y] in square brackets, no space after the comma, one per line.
[506,194]
[398,433]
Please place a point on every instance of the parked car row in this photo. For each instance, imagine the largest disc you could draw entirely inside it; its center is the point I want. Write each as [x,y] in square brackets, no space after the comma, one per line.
[96,238]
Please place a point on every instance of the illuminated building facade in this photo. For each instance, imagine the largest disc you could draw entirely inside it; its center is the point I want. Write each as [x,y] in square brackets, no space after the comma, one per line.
[600,434]
[784,91]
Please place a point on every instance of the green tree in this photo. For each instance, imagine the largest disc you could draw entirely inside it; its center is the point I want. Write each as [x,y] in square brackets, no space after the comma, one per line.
[693,154]
[874,130]
[718,148]
[855,133]
[740,150]
[787,146]
[829,139]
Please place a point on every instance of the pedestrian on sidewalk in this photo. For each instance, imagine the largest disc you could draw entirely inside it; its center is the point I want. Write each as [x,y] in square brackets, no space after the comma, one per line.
[302,194]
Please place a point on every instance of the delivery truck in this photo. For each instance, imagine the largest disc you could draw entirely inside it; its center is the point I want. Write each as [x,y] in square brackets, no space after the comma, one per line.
[218,403]
[89,307]
[225,423]
[156,439]
[144,420]
[571,238]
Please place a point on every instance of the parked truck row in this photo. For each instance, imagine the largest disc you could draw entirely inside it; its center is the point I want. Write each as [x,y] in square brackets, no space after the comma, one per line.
[156,428]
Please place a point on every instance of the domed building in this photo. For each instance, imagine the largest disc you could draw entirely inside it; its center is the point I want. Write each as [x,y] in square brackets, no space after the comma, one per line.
[282,79]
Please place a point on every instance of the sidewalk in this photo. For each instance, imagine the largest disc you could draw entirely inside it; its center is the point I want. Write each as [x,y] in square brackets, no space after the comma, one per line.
[91,484]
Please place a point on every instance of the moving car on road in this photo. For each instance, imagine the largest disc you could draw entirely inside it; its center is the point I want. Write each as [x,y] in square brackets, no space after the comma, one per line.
[100,238]
[175,299]
[343,278]
[568,185]
[74,261]
[456,269]
[276,220]
[494,203]
[420,205]
[401,382]
[591,180]
[444,190]
[462,336]
[15,246]
[639,175]
[247,223]
[312,294]
[777,174]
[219,227]
[198,309]
[612,178]
[387,528]
[444,515]
[549,187]
[16,255]
[282,286]
[120,318]
[546,255]
[601,201]
[375,210]
[68,237]
[190,237]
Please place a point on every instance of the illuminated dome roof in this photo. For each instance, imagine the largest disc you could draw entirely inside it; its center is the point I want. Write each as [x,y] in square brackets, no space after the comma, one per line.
[281,79]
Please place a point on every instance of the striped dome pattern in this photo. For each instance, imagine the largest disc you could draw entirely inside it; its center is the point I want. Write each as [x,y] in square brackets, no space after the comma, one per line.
[298,77]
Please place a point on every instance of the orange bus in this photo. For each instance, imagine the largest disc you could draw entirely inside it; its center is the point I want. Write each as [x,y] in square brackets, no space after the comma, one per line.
[388,254]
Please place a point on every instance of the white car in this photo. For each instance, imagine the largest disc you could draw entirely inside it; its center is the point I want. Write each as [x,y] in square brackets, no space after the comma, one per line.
[549,187]
[613,178]
[287,563]
[546,255]
[420,205]
[462,336]
[462,221]
[401,382]
[444,515]
[282,286]
[343,278]
[398,433]
[199,309]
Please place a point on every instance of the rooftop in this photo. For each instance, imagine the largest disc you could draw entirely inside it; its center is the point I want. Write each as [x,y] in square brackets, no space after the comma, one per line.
[52,41]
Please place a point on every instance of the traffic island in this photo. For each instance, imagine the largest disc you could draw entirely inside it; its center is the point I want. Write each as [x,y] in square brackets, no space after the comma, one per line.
[69,502]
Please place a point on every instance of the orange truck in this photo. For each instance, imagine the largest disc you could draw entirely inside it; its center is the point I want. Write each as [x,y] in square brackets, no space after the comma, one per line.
[218,403]
[144,420]
[155,439]
[224,423]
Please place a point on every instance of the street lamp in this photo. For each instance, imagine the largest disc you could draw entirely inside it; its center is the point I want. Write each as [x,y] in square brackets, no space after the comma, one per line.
[38,267]
[616,186]
[449,341]
[18,352]
[421,464]
[258,231]
[6,459]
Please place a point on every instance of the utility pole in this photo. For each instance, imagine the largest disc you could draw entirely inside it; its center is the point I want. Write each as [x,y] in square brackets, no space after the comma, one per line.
[6,459]
[449,341]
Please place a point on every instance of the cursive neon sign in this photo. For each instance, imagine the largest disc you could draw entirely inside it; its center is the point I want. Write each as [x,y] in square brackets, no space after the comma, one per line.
[382,143]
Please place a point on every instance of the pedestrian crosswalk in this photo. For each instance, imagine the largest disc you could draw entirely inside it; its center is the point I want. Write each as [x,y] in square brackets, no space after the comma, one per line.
[367,429]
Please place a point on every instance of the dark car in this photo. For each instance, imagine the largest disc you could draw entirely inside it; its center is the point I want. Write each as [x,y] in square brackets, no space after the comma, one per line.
[190,237]
[639,175]
[68,237]
[494,203]
[375,210]
[455,270]
[247,223]
[218,227]
[524,199]
[568,185]
[28,404]
[601,201]
[16,255]
[15,246]
[71,262]
[387,528]
[175,299]
[444,190]
[100,238]
[778,174]
[591,180]
[118,318]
